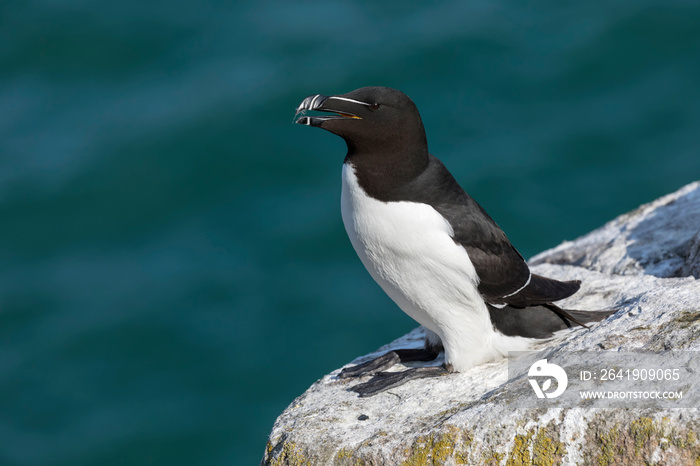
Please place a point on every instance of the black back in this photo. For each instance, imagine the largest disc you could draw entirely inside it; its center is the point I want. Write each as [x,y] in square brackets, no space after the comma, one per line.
[388,149]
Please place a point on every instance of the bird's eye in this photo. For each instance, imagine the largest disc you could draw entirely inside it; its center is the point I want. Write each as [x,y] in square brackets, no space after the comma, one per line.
[374,106]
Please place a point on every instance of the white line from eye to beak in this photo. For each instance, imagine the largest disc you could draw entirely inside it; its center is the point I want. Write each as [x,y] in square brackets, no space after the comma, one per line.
[348,100]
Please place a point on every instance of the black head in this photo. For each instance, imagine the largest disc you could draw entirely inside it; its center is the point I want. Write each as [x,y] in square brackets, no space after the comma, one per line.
[377,120]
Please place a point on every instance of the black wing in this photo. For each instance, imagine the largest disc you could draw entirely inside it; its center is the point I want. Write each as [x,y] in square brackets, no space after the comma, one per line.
[504,276]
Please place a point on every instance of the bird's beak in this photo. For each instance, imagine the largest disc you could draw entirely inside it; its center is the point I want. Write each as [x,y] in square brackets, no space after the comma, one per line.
[336,105]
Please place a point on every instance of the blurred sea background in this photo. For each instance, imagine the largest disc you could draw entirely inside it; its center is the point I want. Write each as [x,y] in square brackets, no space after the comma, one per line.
[173,266]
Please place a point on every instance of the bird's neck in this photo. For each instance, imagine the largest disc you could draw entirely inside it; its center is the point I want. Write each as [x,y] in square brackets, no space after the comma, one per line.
[382,173]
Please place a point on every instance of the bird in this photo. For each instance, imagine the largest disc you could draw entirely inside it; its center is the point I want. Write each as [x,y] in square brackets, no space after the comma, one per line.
[430,246]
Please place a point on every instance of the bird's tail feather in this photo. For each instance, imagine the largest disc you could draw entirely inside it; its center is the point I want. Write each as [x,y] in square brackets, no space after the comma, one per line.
[541,321]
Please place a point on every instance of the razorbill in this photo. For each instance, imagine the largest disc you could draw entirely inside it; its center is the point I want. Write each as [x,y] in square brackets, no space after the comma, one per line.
[429,245]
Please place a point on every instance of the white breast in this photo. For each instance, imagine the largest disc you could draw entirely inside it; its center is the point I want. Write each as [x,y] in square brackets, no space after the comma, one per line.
[408,249]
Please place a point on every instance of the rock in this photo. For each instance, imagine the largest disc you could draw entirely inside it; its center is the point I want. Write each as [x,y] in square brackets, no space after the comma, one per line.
[645,264]
[661,238]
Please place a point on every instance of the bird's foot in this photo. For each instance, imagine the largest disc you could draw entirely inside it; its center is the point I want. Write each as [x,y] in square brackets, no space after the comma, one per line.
[386,380]
[370,367]
[387,360]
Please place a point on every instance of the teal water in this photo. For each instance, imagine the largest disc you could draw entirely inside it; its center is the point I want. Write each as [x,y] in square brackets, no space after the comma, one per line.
[173,267]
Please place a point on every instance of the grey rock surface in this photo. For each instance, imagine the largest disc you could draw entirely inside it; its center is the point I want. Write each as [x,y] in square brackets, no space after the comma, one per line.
[661,238]
[645,264]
